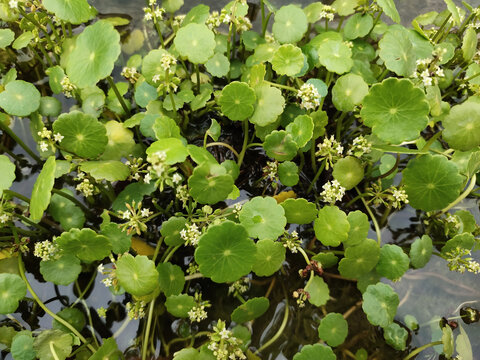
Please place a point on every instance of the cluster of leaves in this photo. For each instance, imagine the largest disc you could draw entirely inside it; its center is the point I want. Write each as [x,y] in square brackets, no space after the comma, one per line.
[129,184]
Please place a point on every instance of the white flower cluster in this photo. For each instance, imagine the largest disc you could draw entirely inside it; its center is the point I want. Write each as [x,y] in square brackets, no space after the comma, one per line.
[459,260]
[67,87]
[360,146]
[153,12]
[136,310]
[191,234]
[291,241]
[242,23]
[13,4]
[330,149]
[181,193]
[426,72]
[332,192]
[157,160]
[271,170]
[47,140]
[136,216]
[167,61]
[197,313]
[111,279]
[239,286]
[177,20]
[46,250]
[236,209]
[130,73]
[4,218]
[310,97]
[400,197]
[223,344]
[328,12]
[85,186]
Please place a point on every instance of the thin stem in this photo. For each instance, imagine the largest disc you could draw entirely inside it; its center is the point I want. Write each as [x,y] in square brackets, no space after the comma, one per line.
[281,86]
[32,223]
[19,141]
[463,195]
[245,143]
[305,256]
[122,327]
[224,145]
[193,276]
[375,223]
[147,330]
[440,29]
[339,125]
[159,31]
[17,195]
[197,71]
[317,175]
[117,94]
[421,348]
[81,293]
[168,257]
[65,323]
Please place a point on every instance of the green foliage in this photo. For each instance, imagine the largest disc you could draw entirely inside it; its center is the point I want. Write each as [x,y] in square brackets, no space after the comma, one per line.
[316,351]
[137,274]
[42,188]
[393,262]
[269,257]
[20,98]
[359,259]
[396,336]
[299,211]
[250,310]
[13,289]
[263,218]
[195,42]
[210,183]
[333,329]
[85,244]
[380,303]
[171,278]
[331,226]
[7,169]
[237,101]
[421,251]
[318,291]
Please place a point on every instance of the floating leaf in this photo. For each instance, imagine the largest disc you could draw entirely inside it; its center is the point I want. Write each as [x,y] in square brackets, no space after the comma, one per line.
[326,260]
[269,257]
[318,291]
[348,91]
[196,42]
[237,100]
[110,170]
[396,336]
[270,104]
[171,278]
[333,329]
[421,251]
[250,310]
[7,169]
[210,183]
[290,24]
[348,171]
[397,51]
[389,8]
[335,56]
[288,173]
[358,25]
[225,253]
[359,259]
[12,290]
[463,241]
[50,106]
[218,65]
[301,130]
[83,135]
[331,226]
[71,315]
[180,305]
[22,346]
[395,110]
[299,211]
[462,126]
[431,182]
[359,227]
[288,60]
[316,351]
[53,345]
[86,244]
[20,98]
[73,11]
[174,149]
[280,145]
[62,271]
[96,50]
[42,188]
[263,218]
[380,303]
[393,262]
[137,274]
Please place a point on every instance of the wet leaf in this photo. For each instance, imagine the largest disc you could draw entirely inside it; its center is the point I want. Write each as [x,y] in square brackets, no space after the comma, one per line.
[318,291]
[393,262]
[421,251]
[171,278]
[333,329]
[299,211]
[316,351]
[269,257]
[396,336]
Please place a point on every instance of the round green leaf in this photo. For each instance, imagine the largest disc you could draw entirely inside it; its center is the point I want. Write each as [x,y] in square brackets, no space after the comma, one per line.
[144,93]
[50,106]
[196,42]
[12,290]
[225,253]
[237,100]
[348,91]
[335,56]
[396,336]
[326,260]
[348,171]
[269,257]
[316,351]
[62,271]
[197,14]
[94,55]
[200,155]
[290,24]
[83,135]
[20,98]
[421,251]
[53,345]
[66,212]
[397,51]
[22,346]
[359,227]
[86,244]
[6,37]
[152,66]
[431,182]
[270,104]
[120,240]
[280,145]
[288,173]
[318,291]
[171,278]
[171,230]
[380,303]
[137,274]
[174,148]
[395,110]
[301,130]
[358,25]
[165,127]
[42,188]
[72,11]
[333,329]
[263,218]
[288,60]
[73,316]
[463,241]
[110,170]
[7,169]
[462,126]
[299,211]
[180,305]
[331,226]
[250,310]
[210,183]
[393,262]
[359,259]
[23,40]
[218,65]
[186,354]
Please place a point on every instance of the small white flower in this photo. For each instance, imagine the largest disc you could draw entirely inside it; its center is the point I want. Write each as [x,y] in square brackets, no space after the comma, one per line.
[4,218]
[145,212]
[100,268]
[126,215]
[152,2]
[156,78]
[148,16]
[107,282]
[43,146]
[177,178]
[147,179]
[58,137]
[13,4]
[224,333]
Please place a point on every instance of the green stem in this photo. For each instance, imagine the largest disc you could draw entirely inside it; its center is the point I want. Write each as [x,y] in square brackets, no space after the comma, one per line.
[157,249]
[375,223]
[264,28]
[339,125]
[281,86]
[122,327]
[245,143]
[193,276]
[421,348]
[317,175]
[19,141]
[159,31]
[383,74]
[305,256]
[239,297]
[65,323]
[82,293]
[197,71]
[17,195]
[32,223]
[147,330]
[440,29]
[467,191]
[218,143]
[117,94]
[262,8]
[170,254]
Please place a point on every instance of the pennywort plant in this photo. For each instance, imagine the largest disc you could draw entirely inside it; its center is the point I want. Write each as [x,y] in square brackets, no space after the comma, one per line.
[227,176]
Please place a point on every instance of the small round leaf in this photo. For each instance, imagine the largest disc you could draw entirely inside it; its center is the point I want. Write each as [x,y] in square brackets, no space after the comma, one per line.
[137,274]
[196,42]
[333,329]
[380,303]
[393,262]
[290,24]
[237,100]
[269,257]
[331,226]
[263,218]
[12,290]
[20,98]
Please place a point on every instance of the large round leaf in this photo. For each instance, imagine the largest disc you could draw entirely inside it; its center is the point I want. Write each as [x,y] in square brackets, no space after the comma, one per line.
[270,104]
[225,253]
[462,126]
[72,11]
[86,244]
[12,290]
[152,66]
[53,345]
[288,60]
[393,262]
[397,51]
[335,56]
[237,100]
[269,257]
[357,26]
[180,305]
[395,110]
[301,130]
[263,218]
[7,169]
[82,134]
[96,50]
[359,227]
[250,310]
[42,188]
[6,37]
[333,329]
[348,172]
[359,259]
[380,303]
[431,182]
[210,183]
[315,352]
[22,346]
[20,98]
[396,336]
[331,226]
[290,24]
[196,42]
[62,271]
[137,274]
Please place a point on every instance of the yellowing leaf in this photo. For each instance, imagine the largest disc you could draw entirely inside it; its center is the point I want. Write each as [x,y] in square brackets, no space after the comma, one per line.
[284,195]
[141,247]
